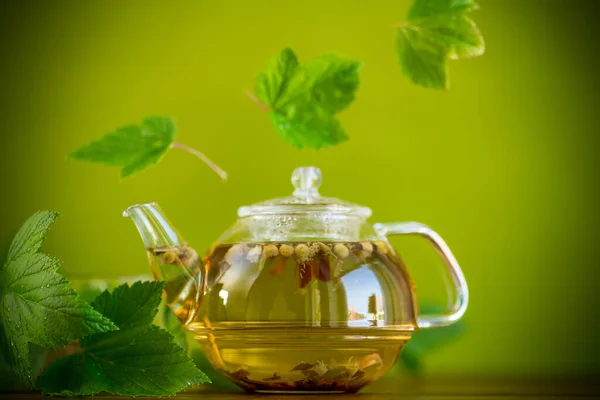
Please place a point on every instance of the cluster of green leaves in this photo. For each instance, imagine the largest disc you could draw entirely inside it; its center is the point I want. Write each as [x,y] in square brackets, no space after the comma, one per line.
[38,304]
[303,100]
[121,351]
[136,147]
[140,359]
[437,31]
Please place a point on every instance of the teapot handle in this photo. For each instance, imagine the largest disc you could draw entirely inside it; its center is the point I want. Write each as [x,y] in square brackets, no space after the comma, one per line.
[462,291]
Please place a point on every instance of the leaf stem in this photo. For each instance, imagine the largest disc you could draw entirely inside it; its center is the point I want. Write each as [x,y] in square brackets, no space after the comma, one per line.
[201,156]
[256,100]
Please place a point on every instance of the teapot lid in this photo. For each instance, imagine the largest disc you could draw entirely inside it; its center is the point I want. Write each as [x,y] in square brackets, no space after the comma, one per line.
[305,199]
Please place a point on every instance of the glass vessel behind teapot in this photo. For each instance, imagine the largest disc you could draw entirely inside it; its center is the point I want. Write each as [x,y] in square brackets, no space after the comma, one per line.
[301,294]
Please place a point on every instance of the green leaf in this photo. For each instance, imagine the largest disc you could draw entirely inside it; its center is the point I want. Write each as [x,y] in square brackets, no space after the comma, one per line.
[437,31]
[422,62]
[458,35]
[427,340]
[271,83]
[304,100]
[30,236]
[132,147]
[411,360]
[10,381]
[174,327]
[308,128]
[433,8]
[74,375]
[329,81]
[130,306]
[37,304]
[138,360]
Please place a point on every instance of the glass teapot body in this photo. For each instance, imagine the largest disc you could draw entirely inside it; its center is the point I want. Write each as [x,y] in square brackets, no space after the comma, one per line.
[290,299]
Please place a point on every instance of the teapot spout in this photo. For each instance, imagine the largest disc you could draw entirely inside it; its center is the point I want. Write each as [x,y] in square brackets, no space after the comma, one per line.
[172,260]
[154,227]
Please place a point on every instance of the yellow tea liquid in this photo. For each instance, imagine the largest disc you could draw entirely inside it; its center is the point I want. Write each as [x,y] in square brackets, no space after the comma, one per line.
[301,316]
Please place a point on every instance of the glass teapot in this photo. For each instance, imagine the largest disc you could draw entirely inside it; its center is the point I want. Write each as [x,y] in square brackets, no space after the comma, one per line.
[301,294]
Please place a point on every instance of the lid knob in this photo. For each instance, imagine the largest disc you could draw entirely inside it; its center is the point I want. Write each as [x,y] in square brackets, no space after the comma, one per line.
[306,180]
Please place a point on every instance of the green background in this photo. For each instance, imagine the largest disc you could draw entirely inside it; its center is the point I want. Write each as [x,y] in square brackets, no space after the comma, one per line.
[503,165]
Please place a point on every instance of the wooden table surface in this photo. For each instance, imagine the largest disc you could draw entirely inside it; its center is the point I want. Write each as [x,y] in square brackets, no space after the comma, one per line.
[446,389]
